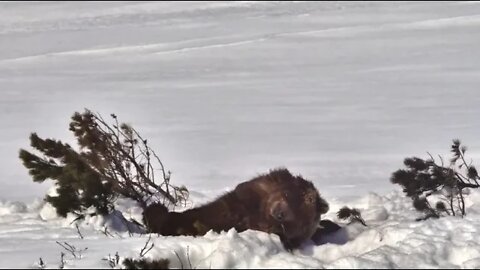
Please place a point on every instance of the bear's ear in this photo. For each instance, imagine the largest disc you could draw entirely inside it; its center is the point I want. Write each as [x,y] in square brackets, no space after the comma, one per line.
[310,197]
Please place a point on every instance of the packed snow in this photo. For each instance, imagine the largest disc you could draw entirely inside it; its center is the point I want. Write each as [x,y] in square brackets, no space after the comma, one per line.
[339,92]
[392,239]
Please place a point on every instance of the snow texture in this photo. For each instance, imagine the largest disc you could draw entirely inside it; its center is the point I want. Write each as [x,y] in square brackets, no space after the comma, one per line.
[392,239]
[340,92]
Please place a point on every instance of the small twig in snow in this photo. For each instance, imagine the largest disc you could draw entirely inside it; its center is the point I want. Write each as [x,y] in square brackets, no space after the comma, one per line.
[41,264]
[106,232]
[180,260]
[188,258]
[78,231]
[144,250]
[113,262]
[72,249]
[62,260]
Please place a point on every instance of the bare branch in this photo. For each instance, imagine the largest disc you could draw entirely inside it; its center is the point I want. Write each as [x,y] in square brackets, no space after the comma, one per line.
[145,250]
[188,258]
[72,249]
[62,260]
[106,232]
[180,260]
[78,231]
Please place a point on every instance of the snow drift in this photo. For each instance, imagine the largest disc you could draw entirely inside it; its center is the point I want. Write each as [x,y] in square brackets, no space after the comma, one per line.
[393,239]
[340,92]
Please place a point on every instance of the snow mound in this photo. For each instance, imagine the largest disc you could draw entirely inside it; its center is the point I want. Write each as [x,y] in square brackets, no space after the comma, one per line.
[392,239]
[12,208]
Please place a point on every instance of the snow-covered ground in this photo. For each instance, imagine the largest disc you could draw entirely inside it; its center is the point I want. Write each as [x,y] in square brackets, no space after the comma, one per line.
[393,239]
[339,92]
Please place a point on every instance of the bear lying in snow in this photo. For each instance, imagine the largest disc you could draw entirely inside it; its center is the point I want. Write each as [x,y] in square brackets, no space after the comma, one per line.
[277,202]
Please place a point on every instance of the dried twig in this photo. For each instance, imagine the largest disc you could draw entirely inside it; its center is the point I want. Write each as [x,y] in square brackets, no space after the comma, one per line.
[62,260]
[106,232]
[137,181]
[145,250]
[188,257]
[41,264]
[78,231]
[180,260]
[72,249]
[112,262]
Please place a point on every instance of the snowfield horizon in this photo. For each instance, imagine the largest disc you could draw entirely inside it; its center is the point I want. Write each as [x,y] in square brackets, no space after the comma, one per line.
[337,92]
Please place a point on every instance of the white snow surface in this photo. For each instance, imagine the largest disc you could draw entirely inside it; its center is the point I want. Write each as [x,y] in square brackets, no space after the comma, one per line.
[392,239]
[339,92]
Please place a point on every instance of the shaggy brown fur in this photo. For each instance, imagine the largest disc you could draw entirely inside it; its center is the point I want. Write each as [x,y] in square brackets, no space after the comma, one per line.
[277,202]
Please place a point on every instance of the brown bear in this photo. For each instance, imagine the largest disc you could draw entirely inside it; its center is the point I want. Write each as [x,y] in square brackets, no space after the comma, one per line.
[276,202]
